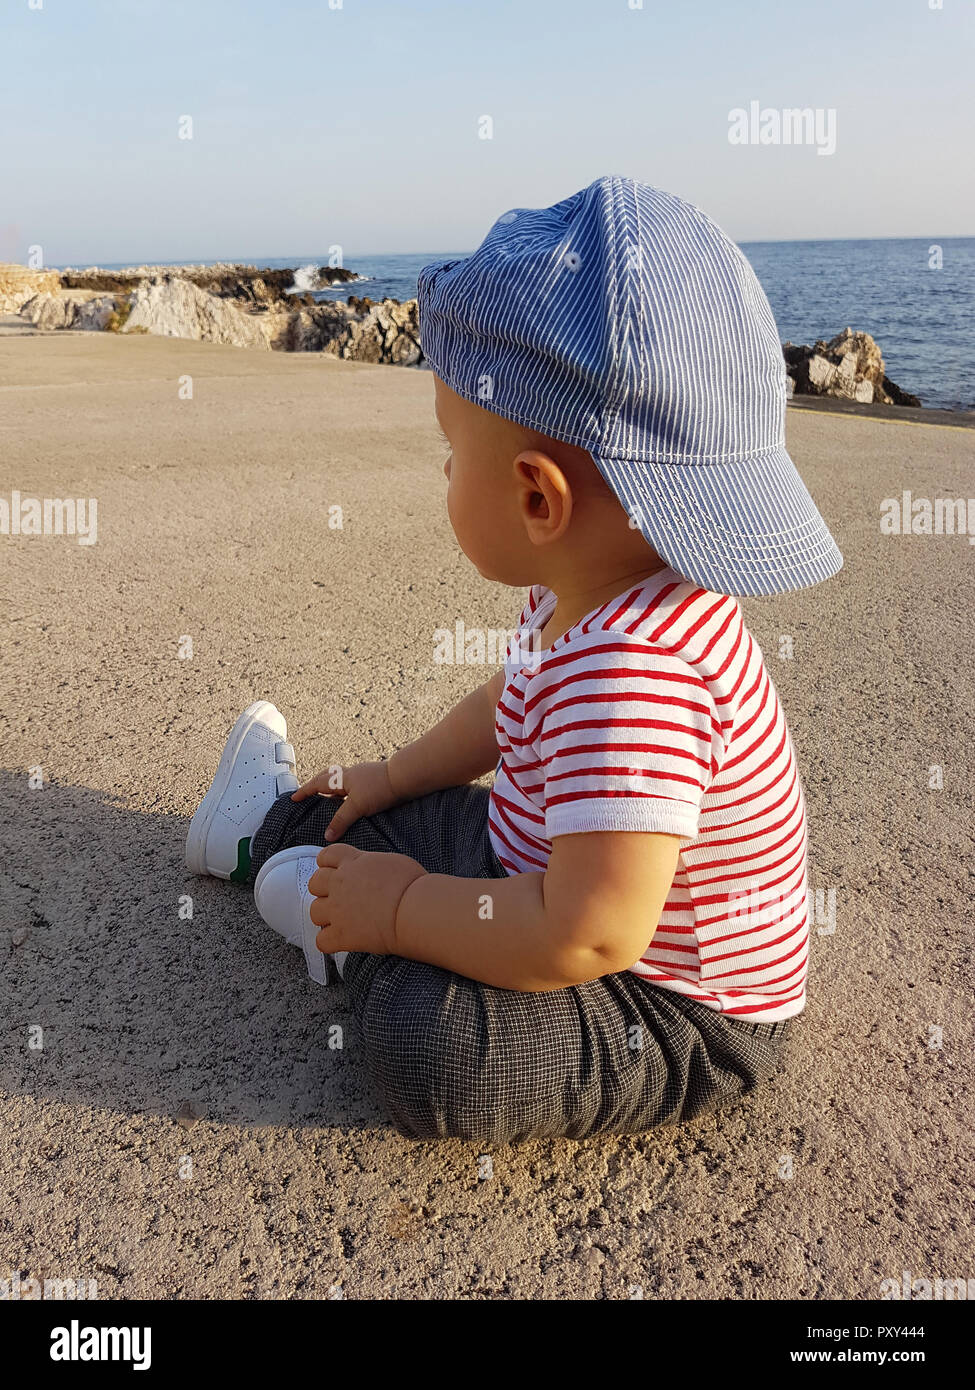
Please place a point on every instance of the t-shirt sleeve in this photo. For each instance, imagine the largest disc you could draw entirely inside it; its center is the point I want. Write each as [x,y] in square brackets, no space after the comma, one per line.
[628,736]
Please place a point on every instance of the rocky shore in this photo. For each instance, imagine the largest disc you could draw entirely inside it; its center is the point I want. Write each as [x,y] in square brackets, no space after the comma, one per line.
[246,306]
[238,305]
[849,366]
[245,284]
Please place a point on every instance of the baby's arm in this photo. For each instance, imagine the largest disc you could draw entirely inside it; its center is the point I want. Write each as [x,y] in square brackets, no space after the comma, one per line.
[455,751]
[591,913]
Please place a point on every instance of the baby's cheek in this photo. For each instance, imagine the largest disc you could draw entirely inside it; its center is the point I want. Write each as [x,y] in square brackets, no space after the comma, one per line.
[458,506]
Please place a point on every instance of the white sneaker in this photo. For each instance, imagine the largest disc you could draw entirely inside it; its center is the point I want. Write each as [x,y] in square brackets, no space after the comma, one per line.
[283,900]
[256,767]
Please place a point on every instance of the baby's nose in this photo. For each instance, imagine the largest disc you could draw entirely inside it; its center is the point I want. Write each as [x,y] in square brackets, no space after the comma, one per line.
[446,470]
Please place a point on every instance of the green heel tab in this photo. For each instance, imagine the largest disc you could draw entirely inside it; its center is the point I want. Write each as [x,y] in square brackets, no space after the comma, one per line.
[242,872]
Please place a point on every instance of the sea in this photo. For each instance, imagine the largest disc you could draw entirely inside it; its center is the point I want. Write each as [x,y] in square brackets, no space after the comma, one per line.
[915,296]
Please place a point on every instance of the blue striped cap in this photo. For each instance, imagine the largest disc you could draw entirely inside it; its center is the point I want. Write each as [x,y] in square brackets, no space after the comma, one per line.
[623,320]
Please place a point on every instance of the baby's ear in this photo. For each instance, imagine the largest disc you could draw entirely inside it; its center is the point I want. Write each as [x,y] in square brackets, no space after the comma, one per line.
[544,496]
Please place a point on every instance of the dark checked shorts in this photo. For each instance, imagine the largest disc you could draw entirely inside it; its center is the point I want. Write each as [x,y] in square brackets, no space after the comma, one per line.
[452,1057]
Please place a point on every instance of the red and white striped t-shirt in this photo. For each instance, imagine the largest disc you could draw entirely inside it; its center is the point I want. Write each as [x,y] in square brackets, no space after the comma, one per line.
[656,713]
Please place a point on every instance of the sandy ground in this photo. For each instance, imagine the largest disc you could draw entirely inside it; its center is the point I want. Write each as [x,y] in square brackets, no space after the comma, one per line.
[853,1166]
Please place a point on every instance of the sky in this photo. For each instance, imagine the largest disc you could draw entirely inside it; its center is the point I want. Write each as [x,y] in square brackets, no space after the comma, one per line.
[359,124]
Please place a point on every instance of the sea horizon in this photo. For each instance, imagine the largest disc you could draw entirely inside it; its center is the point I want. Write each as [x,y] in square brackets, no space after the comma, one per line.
[306,258]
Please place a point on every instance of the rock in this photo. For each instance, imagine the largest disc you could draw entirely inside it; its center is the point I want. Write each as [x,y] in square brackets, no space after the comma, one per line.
[97,313]
[387,332]
[849,366]
[47,310]
[66,309]
[173,307]
[312,329]
[860,359]
[846,374]
[820,375]
[336,275]
[18,284]
[899,397]
[382,333]
[188,1114]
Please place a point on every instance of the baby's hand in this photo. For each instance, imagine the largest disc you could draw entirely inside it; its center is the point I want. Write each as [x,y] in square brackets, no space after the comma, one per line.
[365,787]
[356,896]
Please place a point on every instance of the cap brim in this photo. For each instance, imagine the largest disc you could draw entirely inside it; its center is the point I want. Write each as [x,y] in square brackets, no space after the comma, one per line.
[746,528]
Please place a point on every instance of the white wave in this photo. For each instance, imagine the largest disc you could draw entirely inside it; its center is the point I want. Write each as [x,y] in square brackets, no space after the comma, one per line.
[306,278]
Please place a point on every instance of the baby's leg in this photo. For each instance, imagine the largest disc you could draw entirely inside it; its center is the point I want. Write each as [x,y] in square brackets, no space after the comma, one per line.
[445,831]
[452,1057]
[442,831]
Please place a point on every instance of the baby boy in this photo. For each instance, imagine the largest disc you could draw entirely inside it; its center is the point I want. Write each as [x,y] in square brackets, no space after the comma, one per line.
[615,935]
